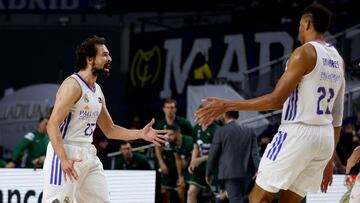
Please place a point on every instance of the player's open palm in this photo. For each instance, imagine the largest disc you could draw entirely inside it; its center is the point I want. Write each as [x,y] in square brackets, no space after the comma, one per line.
[67,166]
[151,135]
[213,108]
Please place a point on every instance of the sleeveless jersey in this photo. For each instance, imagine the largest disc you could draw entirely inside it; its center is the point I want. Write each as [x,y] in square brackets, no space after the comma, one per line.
[80,123]
[312,101]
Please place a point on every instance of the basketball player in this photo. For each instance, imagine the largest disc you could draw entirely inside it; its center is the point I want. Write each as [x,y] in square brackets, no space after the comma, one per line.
[72,171]
[311,92]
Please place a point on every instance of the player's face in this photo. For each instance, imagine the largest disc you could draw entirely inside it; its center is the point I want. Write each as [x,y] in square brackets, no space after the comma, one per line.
[42,126]
[169,110]
[102,61]
[172,135]
[303,28]
[301,31]
[126,151]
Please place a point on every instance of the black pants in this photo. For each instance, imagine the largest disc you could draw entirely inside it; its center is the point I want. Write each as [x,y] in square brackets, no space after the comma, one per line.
[236,189]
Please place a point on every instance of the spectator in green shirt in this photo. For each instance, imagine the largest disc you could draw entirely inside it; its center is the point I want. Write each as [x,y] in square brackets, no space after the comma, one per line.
[182,146]
[129,160]
[165,155]
[2,163]
[36,143]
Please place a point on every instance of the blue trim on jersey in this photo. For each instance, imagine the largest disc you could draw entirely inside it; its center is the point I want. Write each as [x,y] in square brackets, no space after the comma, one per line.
[52,168]
[82,79]
[66,125]
[273,146]
[287,110]
[295,103]
[290,107]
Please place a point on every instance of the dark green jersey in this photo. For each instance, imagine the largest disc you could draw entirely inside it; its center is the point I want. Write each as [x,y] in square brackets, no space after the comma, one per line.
[138,162]
[185,149]
[168,150]
[204,138]
[2,163]
[36,144]
[183,123]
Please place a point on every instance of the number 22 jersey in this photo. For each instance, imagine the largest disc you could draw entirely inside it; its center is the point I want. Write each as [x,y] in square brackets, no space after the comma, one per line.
[318,98]
[80,123]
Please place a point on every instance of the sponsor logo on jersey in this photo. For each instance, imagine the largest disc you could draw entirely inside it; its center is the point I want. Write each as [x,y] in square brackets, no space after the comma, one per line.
[86,108]
[84,114]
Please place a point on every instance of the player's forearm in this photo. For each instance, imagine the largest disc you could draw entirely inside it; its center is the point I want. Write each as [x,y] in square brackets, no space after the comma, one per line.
[158,155]
[119,133]
[336,140]
[20,149]
[178,165]
[262,103]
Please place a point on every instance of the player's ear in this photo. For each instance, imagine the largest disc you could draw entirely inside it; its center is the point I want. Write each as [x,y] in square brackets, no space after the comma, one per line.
[308,24]
[89,60]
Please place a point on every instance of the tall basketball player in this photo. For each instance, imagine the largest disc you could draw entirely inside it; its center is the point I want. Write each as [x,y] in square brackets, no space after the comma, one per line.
[311,93]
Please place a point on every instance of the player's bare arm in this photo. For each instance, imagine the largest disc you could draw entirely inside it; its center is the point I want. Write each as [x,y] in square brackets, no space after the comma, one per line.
[117,132]
[67,95]
[301,62]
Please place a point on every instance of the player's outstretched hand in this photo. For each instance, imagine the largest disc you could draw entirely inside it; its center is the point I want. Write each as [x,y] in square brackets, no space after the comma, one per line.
[151,135]
[327,176]
[213,108]
[67,166]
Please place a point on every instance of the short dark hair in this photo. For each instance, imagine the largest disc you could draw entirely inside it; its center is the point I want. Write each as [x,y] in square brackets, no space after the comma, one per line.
[42,118]
[169,100]
[232,114]
[321,16]
[87,49]
[174,127]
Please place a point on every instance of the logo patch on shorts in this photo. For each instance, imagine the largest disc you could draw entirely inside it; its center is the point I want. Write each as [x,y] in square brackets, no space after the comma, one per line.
[66,199]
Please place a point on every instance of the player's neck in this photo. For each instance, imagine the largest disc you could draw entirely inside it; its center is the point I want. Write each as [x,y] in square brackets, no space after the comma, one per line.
[89,78]
[179,141]
[315,37]
[170,120]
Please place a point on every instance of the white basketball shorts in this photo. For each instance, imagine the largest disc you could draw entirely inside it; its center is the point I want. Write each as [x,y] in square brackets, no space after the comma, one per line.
[91,186]
[296,158]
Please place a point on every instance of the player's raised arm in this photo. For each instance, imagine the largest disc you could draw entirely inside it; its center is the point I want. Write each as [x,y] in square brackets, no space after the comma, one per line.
[302,61]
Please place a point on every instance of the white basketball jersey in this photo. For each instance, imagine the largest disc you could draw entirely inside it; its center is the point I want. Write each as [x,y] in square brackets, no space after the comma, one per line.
[312,101]
[80,124]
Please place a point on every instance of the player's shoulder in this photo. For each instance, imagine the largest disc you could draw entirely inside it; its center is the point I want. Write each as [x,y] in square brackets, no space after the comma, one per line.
[307,50]
[71,82]
[188,138]
[182,119]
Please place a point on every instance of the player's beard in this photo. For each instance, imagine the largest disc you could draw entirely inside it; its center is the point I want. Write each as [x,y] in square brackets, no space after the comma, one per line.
[100,71]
